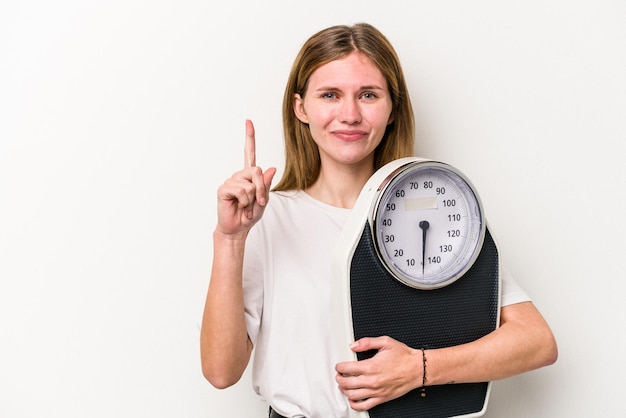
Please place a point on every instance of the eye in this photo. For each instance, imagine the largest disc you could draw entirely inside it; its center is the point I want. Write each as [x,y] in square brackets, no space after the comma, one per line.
[329,95]
[369,95]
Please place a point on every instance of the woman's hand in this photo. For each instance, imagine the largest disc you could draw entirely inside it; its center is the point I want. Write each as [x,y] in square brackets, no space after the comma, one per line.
[395,370]
[242,197]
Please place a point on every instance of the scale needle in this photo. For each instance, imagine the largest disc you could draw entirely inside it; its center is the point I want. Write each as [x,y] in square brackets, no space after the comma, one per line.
[424,225]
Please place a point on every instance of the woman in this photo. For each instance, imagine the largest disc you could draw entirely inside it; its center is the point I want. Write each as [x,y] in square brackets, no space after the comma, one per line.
[346,113]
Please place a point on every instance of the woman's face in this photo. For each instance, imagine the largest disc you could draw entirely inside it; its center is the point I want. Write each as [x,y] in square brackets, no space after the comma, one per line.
[347,106]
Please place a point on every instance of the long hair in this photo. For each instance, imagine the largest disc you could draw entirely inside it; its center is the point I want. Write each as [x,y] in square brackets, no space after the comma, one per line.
[302,160]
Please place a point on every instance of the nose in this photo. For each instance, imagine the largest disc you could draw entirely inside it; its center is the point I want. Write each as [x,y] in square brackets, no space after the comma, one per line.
[350,111]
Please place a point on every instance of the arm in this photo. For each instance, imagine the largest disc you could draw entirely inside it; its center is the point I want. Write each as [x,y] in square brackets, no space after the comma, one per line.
[523,342]
[224,344]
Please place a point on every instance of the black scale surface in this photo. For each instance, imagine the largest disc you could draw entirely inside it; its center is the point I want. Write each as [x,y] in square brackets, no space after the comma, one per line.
[458,313]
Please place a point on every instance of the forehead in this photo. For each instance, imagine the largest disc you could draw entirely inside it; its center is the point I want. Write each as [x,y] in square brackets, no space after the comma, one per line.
[353,69]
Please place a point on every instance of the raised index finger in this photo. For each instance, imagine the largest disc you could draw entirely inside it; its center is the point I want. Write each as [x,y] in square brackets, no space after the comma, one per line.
[250,147]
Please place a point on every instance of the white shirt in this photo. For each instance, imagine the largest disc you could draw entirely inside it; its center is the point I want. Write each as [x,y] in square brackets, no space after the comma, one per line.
[287,294]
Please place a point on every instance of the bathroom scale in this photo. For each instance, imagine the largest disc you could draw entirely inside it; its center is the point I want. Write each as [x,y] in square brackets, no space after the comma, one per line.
[417,262]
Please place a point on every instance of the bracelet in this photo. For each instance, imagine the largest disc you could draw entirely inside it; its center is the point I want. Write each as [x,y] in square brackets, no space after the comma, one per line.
[423,389]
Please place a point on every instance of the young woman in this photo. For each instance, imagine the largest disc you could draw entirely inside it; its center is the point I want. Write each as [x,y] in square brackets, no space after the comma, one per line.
[346,113]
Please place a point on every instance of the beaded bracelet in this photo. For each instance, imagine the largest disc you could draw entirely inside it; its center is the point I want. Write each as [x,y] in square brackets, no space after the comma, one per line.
[423,389]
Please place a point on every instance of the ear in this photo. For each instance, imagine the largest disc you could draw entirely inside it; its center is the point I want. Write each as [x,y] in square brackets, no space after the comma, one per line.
[298,108]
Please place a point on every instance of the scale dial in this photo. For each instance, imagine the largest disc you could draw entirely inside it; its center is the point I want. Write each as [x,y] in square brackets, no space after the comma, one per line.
[428,224]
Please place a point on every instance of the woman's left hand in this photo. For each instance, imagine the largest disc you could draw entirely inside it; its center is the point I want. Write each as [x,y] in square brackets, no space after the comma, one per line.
[395,370]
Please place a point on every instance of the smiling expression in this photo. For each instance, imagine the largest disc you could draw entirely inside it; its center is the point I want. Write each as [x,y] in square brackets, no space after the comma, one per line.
[347,106]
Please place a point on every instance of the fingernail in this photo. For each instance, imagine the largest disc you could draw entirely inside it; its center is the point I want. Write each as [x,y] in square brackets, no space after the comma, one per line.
[354,344]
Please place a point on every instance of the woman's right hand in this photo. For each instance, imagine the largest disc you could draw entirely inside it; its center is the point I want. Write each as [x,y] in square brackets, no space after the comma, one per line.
[242,197]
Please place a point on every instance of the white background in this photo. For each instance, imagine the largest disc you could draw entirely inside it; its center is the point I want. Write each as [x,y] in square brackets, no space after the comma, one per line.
[119,119]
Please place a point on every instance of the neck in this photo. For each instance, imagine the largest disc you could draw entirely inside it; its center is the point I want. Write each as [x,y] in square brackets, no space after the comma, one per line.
[340,187]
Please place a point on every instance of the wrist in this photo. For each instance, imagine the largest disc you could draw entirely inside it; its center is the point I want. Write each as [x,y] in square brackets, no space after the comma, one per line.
[228,247]
[224,237]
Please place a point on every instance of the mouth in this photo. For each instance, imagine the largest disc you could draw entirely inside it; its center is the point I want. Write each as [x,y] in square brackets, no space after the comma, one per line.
[350,135]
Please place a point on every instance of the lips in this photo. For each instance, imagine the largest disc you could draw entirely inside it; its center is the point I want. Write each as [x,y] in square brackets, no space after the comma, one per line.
[350,135]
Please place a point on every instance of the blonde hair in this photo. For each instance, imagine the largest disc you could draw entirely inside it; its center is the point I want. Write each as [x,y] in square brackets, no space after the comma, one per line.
[302,161]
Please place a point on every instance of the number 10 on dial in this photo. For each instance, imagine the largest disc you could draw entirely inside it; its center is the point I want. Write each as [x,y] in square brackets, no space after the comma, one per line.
[428,225]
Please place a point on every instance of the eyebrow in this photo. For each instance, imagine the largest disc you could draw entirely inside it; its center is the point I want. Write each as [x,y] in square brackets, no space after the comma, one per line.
[368,87]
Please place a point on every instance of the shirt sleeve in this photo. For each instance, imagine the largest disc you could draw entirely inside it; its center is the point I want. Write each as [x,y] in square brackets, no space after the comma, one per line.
[253,280]
[512,293]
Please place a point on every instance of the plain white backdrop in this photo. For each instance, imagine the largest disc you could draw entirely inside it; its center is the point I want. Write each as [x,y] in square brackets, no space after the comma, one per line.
[119,119]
